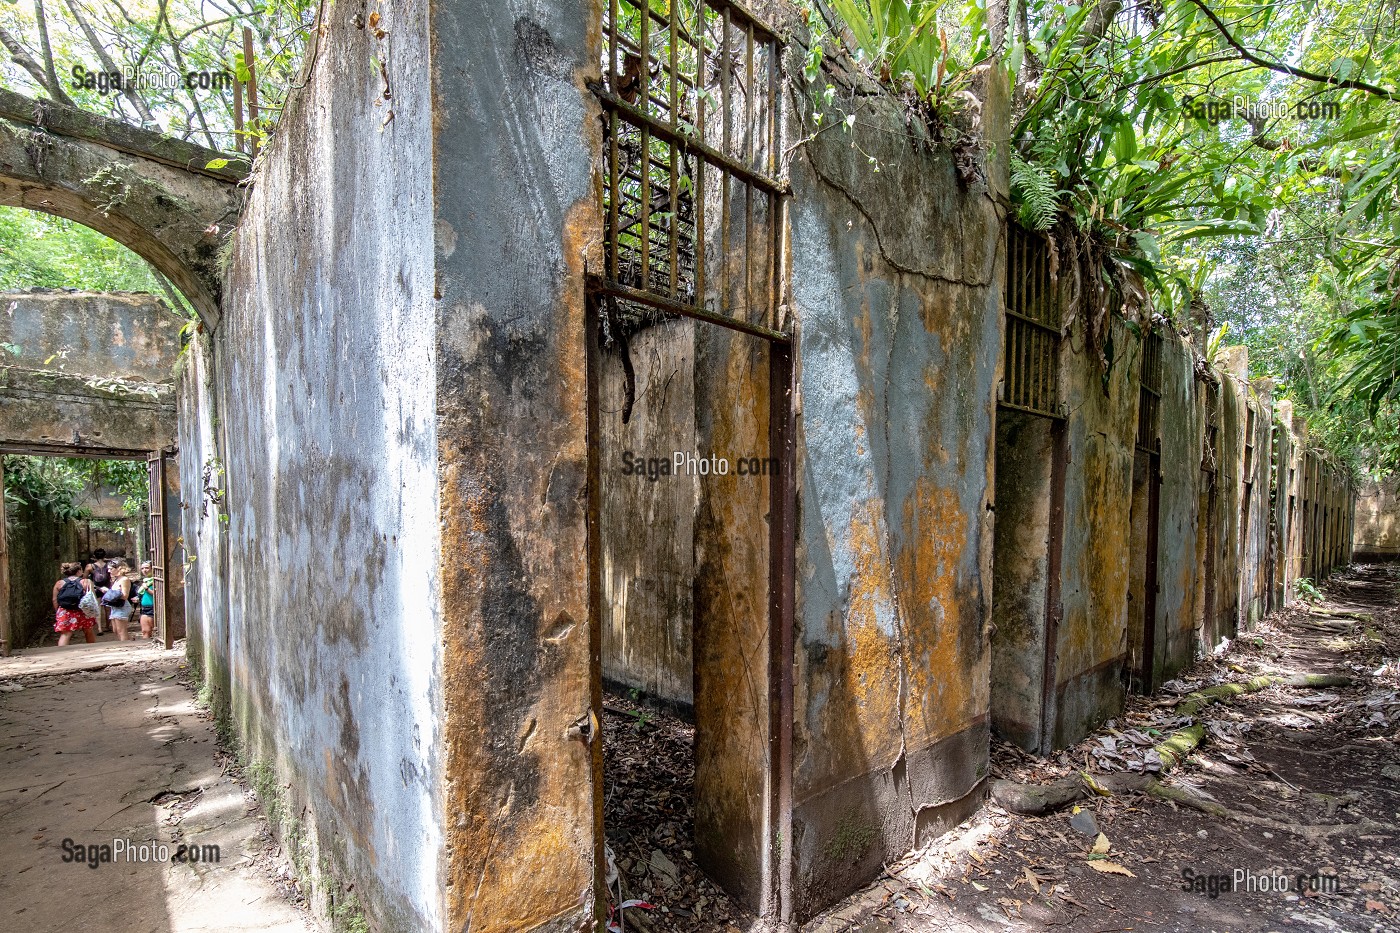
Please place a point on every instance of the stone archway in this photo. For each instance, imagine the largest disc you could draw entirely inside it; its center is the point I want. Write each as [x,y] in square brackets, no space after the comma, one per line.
[155,195]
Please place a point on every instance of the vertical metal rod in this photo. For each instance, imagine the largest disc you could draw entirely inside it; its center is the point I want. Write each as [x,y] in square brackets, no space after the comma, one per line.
[644,101]
[700,91]
[776,204]
[5,636]
[675,63]
[595,591]
[644,46]
[782,575]
[614,239]
[675,225]
[750,143]
[728,111]
[614,194]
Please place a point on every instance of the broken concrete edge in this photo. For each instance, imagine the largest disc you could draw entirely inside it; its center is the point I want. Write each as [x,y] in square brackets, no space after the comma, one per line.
[1037,799]
[121,136]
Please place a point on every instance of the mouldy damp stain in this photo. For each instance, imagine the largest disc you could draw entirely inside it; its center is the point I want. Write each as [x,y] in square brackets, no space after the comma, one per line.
[851,840]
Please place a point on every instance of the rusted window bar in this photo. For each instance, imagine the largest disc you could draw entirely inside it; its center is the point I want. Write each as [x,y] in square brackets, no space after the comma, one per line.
[663,67]
[727,103]
[1030,352]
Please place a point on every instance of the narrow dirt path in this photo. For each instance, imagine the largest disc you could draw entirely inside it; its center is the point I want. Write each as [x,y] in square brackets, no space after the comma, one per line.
[121,757]
[1311,780]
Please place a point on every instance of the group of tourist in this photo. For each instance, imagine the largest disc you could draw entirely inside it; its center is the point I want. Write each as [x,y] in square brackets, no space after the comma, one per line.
[105,591]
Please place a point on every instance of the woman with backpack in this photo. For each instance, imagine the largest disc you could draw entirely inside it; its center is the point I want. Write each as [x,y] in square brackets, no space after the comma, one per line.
[118,600]
[68,595]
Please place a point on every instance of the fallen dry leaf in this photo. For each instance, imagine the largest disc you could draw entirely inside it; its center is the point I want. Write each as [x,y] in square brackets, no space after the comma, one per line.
[1032,880]
[1110,868]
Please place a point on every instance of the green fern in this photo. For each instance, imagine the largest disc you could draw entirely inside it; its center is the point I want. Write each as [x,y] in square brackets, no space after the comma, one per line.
[1035,194]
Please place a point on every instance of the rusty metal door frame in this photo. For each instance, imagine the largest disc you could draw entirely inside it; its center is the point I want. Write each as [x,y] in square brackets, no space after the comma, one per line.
[156,465]
[782,575]
[662,145]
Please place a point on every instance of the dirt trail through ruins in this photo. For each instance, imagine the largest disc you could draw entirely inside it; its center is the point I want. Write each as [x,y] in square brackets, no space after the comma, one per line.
[120,809]
[1309,780]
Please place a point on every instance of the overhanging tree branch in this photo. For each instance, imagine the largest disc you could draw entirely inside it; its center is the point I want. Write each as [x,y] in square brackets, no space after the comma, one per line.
[1283,69]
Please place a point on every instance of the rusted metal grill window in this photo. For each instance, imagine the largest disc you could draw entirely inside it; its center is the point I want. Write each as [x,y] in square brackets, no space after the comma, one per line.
[691,199]
[1249,446]
[1031,351]
[1209,455]
[1150,394]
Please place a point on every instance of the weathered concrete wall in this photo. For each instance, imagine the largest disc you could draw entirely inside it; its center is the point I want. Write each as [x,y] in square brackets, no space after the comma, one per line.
[1377,535]
[900,337]
[648,520]
[1098,499]
[1231,419]
[205,551]
[1254,504]
[516,139]
[1020,590]
[333,582]
[1182,433]
[38,545]
[93,369]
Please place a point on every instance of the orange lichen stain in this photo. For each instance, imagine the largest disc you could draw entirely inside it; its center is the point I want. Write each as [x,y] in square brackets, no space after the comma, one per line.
[872,662]
[944,689]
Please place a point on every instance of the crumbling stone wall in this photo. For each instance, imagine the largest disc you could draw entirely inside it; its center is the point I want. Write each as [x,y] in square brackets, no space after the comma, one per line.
[1098,509]
[38,546]
[93,370]
[1021,610]
[1182,434]
[899,340]
[331,583]
[1377,534]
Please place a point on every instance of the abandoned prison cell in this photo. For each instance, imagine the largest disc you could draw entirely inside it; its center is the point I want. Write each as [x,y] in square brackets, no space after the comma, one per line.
[596,235]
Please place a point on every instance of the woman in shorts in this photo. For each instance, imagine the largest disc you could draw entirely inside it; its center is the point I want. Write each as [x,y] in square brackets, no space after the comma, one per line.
[68,592]
[118,600]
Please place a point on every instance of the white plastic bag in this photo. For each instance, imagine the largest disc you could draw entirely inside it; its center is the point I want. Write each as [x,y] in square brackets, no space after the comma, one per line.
[89,604]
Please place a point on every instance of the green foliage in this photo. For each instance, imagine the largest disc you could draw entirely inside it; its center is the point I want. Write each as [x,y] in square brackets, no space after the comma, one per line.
[54,485]
[924,48]
[40,250]
[162,42]
[1037,198]
[1306,590]
[1237,154]
[49,484]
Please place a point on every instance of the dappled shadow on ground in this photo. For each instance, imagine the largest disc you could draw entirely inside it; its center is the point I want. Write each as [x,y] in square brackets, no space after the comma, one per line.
[1308,779]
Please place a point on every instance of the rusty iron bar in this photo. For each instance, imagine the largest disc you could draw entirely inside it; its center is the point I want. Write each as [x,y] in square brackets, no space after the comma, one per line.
[661,303]
[686,143]
[1031,344]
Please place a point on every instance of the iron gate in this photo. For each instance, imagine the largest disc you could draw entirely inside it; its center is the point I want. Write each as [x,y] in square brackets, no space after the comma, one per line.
[693,211]
[156,466]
